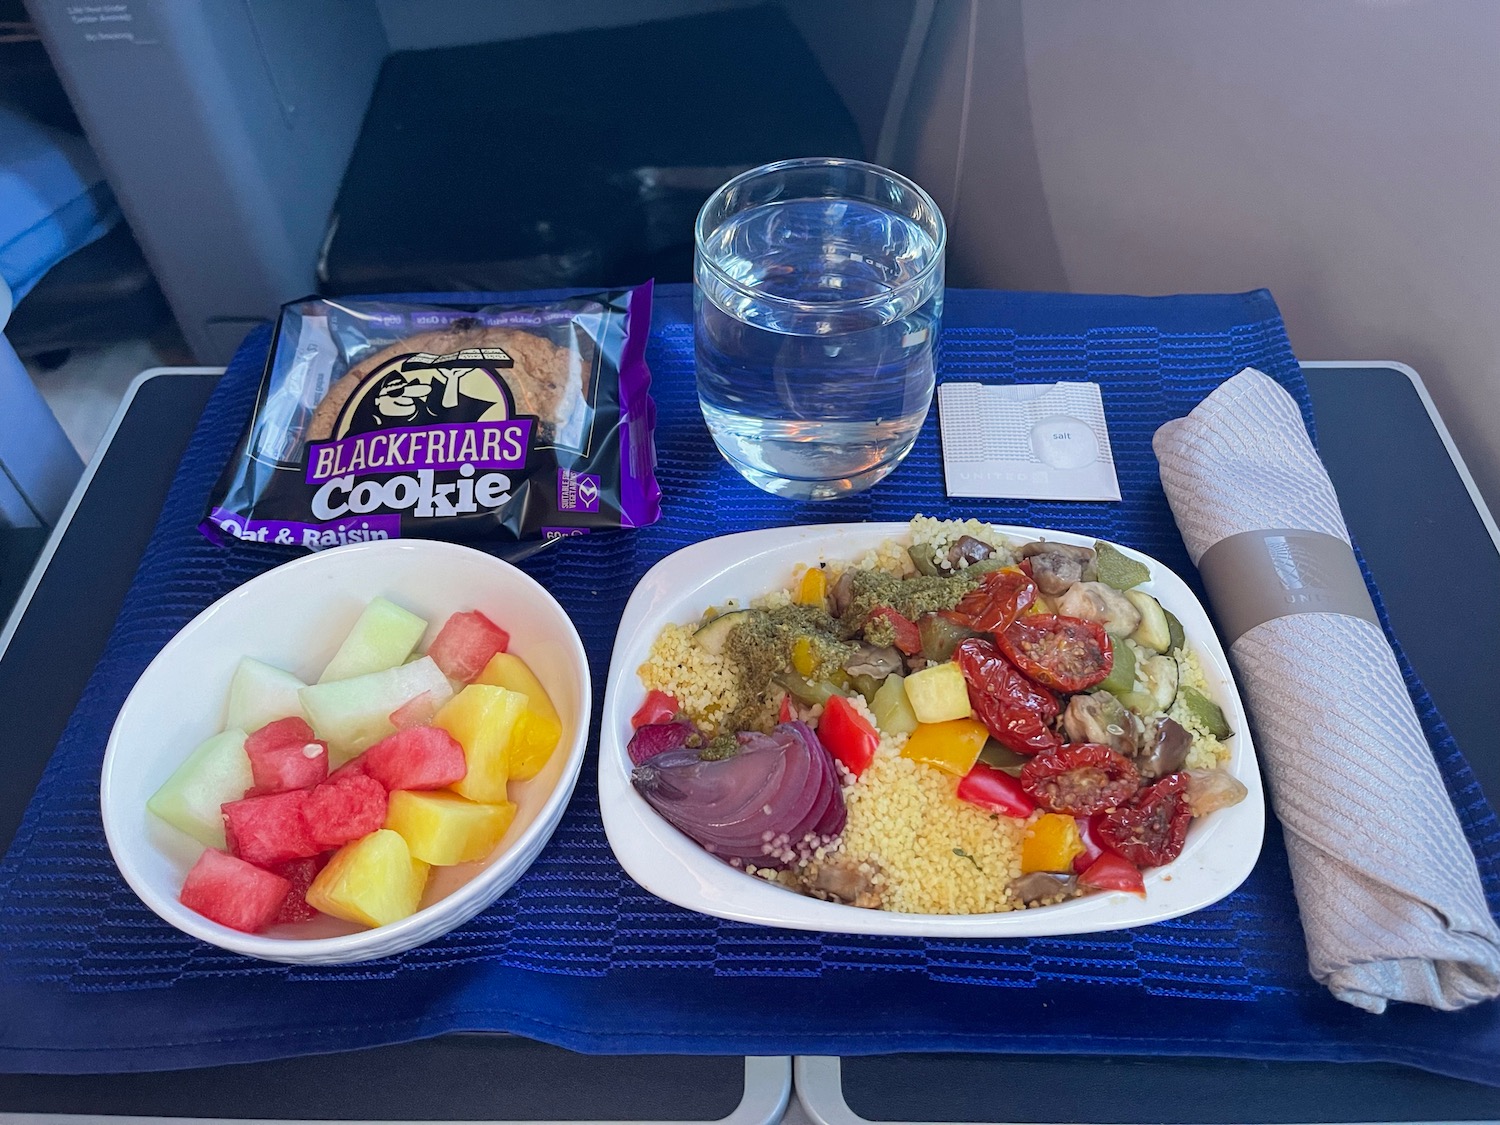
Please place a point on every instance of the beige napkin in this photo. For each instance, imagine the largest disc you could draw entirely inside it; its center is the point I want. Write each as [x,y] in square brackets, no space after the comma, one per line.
[1387,886]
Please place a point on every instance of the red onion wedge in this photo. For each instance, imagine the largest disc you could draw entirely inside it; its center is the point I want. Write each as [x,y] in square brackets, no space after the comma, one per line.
[772,803]
[657,738]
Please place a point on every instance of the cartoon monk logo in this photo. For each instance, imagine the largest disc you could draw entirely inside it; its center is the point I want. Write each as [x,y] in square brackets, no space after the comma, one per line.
[423,389]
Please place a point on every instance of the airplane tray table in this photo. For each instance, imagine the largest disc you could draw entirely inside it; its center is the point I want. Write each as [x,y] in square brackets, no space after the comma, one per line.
[1402,491]
[50,645]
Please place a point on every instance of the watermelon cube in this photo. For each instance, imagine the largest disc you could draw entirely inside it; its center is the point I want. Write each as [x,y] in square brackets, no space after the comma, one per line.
[233,893]
[270,829]
[343,809]
[418,758]
[300,873]
[356,713]
[261,694]
[415,712]
[383,637]
[285,755]
[466,643]
[217,771]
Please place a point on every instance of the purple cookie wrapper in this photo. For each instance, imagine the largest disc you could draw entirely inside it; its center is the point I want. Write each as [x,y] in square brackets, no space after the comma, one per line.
[473,445]
[640,496]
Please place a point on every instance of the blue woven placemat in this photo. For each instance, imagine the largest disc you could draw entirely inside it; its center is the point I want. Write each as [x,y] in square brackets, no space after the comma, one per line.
[576,953]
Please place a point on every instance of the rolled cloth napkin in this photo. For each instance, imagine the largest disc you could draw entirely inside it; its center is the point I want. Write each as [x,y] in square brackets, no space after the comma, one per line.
[1386,883]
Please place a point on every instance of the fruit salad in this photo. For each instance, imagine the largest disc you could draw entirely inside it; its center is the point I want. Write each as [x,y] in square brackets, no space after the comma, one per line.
[338,797]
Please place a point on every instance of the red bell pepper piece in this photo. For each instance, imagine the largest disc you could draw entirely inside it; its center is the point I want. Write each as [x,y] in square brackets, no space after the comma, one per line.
[1111,872]
[658,708]
[848,735]
[908,636]
[784,715]
[1092,847]
[996,791]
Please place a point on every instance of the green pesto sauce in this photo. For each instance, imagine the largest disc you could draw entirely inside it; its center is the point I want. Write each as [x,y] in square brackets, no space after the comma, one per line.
[761,646]
[720,746]
[910,597]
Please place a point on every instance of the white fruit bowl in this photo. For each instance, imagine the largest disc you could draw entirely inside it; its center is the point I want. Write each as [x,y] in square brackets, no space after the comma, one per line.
[294,617]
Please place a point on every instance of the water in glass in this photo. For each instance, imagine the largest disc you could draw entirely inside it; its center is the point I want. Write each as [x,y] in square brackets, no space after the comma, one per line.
[815,353]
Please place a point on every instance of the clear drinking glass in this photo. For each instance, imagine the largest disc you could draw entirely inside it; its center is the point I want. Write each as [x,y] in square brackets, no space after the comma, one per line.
[817,306]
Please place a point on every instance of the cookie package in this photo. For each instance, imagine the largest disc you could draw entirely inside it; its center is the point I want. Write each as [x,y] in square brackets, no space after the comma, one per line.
[501,425]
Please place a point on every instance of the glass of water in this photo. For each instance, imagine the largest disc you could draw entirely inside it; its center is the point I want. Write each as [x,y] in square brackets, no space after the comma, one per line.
[817,306]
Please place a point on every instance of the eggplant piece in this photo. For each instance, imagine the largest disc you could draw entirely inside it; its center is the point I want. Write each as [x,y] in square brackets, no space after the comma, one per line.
[1166,751]
[873,660]
[940,636]
[968,550]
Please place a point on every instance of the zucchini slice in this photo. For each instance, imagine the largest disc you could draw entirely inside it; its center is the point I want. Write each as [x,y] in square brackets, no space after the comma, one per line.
[711,635]
[1153,631]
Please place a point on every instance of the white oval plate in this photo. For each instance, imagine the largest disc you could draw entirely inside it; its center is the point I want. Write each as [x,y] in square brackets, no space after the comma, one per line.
[1221,849]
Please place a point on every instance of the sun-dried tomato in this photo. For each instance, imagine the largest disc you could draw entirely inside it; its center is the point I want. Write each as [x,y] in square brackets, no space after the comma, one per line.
[1012,708]
[996,602]
[1151,829]
[1081,778]
[1066,654]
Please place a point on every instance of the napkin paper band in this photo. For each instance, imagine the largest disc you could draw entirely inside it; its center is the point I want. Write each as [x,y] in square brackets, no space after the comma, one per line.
[1257,576]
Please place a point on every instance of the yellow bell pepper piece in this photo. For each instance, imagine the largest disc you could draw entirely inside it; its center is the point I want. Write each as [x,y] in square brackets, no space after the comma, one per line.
[483,720]
[1051,844]
[952,747]
[813,588]
[803,661]
[538,730]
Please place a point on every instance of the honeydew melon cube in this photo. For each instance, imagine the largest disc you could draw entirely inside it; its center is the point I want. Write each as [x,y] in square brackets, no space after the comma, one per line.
[215,773]
[383,637]
[261,694]
[351,715]
[373,881]
[539,729]
[443,828]
[483,719]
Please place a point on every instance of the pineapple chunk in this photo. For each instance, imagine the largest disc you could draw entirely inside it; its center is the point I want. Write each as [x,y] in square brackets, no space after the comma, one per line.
[444,828]
[938,694]
[538,730]
[483,719]
[374,881]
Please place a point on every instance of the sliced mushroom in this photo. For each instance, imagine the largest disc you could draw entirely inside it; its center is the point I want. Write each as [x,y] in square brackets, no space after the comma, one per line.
[1056,566]
[1102,718]
[1041,888]
[969,550]
[1094,601]
[1166,751]
[1211,790]
[873,660]
[841,880]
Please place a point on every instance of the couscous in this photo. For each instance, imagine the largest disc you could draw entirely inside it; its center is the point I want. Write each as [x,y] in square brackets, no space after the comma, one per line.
[956,723]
